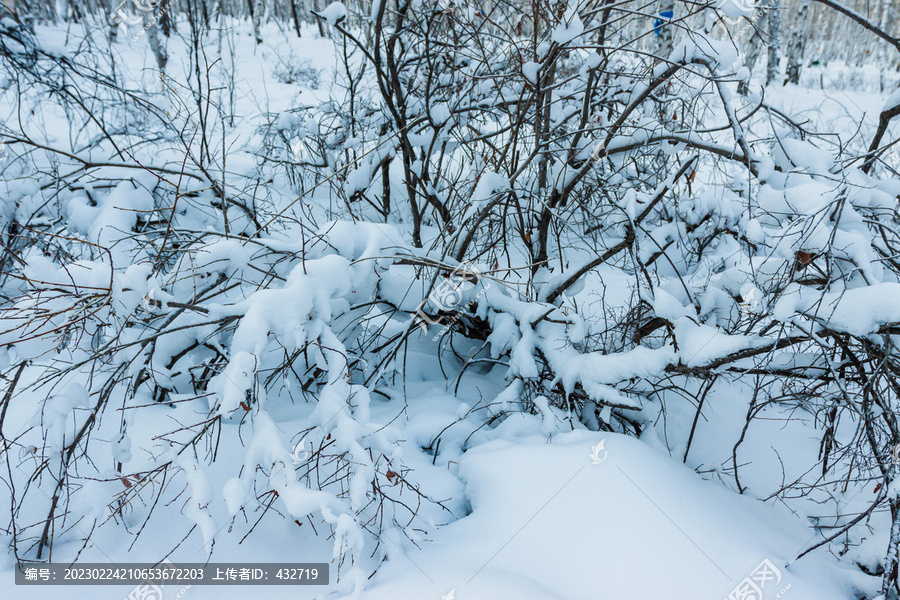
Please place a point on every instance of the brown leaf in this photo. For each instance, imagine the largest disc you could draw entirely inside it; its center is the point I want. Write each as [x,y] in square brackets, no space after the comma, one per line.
[245,406]
[804,258]
[125,481]
[392,476]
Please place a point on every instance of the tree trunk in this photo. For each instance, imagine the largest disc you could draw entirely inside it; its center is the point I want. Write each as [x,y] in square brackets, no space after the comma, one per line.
[666,40]
[296,18]
[165,23]
[159,51]
[889,579]
[322,33]
[255,7]
[774,41]
[113,25]
[795,50]
[885,54]
[754,47]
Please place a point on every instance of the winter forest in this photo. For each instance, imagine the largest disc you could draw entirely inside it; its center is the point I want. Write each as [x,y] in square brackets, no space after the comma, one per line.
[455,299]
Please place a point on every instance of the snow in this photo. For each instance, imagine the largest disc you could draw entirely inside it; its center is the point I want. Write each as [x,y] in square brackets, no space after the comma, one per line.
[334,13]
[59,418]
[296,405]
[571,26]
[736,8]
[530,71]
[859,311]
[489,183]
[521,540]
[116,214]
[199,496]
[892,102]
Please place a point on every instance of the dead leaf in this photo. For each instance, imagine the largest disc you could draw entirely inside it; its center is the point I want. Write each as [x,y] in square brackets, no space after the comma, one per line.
[804,258]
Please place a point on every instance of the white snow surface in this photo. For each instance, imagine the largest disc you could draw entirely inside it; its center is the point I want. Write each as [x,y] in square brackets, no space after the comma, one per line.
[550,521]
[547,522]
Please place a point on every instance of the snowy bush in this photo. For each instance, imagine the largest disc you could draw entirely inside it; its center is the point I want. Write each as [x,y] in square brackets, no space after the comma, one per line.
[290,70]
[210,310]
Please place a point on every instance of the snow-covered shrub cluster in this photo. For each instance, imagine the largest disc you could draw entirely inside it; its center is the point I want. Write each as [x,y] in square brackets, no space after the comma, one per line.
[289,70]
[204,309]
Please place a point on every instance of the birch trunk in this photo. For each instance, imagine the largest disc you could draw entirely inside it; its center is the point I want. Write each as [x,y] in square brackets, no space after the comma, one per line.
[774,41]
[255,7]
[754,46]
[797,44]
[159,51]
[667,31]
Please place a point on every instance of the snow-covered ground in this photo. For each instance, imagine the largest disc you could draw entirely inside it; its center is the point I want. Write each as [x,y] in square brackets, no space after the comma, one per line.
[577,516]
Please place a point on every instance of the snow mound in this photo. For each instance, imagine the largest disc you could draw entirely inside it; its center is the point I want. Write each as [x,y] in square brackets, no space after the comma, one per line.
[334,13]
[575,519]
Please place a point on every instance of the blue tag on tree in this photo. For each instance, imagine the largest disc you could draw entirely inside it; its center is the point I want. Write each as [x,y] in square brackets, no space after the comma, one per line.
[661,19]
